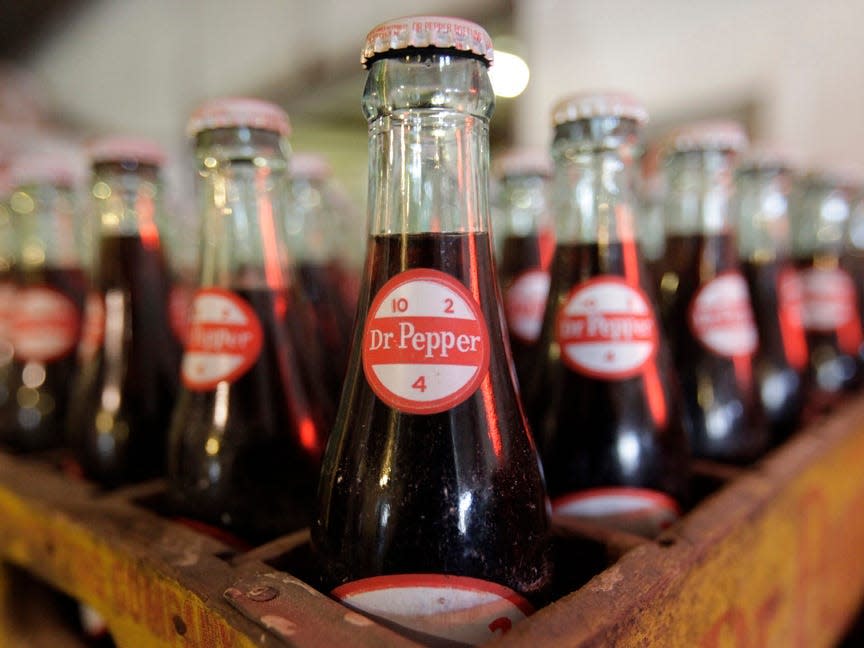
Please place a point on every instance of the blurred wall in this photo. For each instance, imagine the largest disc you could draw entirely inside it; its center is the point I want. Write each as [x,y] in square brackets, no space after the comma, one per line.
[798,63]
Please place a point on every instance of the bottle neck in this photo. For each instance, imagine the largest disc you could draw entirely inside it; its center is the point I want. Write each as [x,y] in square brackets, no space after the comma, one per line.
[761,204]
[127,201]
[819,216]
[46,227]
[309,226]
[428,144]
[593,188]
[699,193]
[524,204]
[242,188]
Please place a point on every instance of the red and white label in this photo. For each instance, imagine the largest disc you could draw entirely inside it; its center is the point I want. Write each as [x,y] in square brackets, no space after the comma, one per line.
[425,344]
[179,308]
[829,299]
[93,329]
[7,304]
[426,607]
[525,303]
[641,511]
[46,324]
[721,316]
[606,329]
[225,340]
[790,304]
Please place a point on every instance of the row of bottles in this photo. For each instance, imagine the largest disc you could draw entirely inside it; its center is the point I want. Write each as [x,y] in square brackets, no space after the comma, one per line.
[433,504]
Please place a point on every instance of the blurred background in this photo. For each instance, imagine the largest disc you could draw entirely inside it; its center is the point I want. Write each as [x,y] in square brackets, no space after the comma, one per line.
[791,70]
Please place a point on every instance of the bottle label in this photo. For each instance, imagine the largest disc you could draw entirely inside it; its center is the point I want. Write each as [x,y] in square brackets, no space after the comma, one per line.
[225,340]
[641,511]
[430,607]
[829,299]
[606,329]
[721,316]
[525,303]
[425,344]
[46,324]
[93,328]
[179,306]
[790,303]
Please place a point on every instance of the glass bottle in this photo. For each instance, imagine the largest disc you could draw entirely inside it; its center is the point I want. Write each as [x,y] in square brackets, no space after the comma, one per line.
[49,300]
[7,292]
[527,243]
[312,233]
[246,437]
[602,400]
[820,209]
[704,300]
[128,358]
[431,511]
[763,182]
[853,253]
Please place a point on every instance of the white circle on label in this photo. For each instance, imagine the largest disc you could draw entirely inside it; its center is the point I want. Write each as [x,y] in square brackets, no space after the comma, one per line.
[224,342]
[828,299]
[457,608]
[606,329]
[425,343]
[641,511]
[46,324]
[721,316]
[525,303]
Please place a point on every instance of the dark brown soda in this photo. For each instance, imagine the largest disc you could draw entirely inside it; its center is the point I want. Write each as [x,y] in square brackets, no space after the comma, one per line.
[580,422]
[519,254]
[256,474]
[332,322]
[38,422]
[139,377]
[781,361]
[720,398]
[853,262]
[833,369]
[463,492]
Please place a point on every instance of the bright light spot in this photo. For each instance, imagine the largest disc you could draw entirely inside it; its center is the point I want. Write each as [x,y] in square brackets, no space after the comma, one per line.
[21,203]
[509,74]
[210,162]
[212,446]
[101,190]
[464,509]
[629,451]
[33,375]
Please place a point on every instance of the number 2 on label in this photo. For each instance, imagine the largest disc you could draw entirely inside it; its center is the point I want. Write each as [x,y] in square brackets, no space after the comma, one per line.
[448,306]
[420,384]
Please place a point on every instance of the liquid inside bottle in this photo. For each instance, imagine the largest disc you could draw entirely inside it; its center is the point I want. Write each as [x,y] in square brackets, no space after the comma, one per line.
[129,358]
[704,299]
[603,398]
[431,512]
[763,182]
[246,437]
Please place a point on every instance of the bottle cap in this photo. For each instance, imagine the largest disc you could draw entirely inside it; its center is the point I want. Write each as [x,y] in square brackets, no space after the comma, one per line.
[439,32]
[523,162]
[709,135]
[126,149]
[62,167]
[766,155]
[234,112]
[837,173]
[586,105]
[310,166]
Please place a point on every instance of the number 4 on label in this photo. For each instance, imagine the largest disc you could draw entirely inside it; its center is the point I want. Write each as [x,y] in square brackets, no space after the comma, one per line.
[420,384]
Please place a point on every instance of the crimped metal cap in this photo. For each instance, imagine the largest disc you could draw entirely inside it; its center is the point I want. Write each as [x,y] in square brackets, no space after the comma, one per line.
[126,149]
[64,167]
[709,135]
[234,112]
[439,32]
[769,155]
[586,105]
[523,162]
[311,166]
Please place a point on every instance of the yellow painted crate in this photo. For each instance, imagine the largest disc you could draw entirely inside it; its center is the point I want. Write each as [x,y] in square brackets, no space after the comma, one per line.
[773,555]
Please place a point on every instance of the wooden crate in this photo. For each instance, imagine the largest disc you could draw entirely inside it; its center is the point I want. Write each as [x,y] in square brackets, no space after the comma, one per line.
[773,555]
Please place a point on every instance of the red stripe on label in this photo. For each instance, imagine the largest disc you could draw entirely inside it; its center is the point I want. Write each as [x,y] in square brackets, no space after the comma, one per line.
[424,340]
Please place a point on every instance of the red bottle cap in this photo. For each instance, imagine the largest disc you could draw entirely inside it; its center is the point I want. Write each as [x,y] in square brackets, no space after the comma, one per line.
[439,32]
[126,149]
[765,155]
[60,167]
[523,162]
[235,112]
[310,166]
[587,105]
[709,135]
